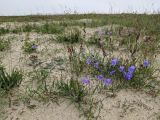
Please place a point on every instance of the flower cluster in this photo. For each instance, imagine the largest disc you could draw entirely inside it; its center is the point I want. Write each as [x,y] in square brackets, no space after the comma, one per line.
[114,64]
[106,81]
[129,74]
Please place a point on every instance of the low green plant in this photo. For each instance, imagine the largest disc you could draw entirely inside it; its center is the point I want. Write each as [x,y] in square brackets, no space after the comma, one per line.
[73,36]
[9,81]
[24,28]
[73,90]
[4,45]
[43,90]
[93,40]
[49,28]
[4,31]
[28,28]
[29,47]
[39,76]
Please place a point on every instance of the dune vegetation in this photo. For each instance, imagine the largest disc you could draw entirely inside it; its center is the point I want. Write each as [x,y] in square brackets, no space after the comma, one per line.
[80,67]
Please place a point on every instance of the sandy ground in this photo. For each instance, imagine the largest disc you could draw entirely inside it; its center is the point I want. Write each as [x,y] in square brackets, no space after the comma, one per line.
[64,111]
[131,105]
[126,105]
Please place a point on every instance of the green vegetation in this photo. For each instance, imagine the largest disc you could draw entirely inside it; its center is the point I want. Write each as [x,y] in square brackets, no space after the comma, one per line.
[9,81]
[4,45]
[72,36]
[29,47]
[49,28]
[3,31]
[73,90]
[46,28]
[140,21]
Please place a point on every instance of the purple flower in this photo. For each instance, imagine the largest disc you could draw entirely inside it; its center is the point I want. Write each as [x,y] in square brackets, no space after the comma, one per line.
[114,62]
[100,77]
[34,46]
[146,63]
[88,61]
[112,72]
[127,75]
[131,69]
[96,65]
[85,80]
[121,68]
[107,81]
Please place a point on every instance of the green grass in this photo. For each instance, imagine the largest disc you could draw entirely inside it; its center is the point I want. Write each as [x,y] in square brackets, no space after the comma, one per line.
[27,47]
[49,28]
[73,90]
[4,31]
[46,28]
[4,45]
[139,21]
[72,36]
[9,81]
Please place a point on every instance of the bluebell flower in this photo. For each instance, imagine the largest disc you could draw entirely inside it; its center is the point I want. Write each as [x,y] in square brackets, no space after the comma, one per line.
[131,69]
[112,72]
[146,63]
[121,68]
[88,61]
[114,62]
[85,80]
[34,46]
[107,81]
[127,75]
[100,77]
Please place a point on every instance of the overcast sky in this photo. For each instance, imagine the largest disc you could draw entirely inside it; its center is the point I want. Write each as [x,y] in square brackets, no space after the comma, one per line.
[25,7]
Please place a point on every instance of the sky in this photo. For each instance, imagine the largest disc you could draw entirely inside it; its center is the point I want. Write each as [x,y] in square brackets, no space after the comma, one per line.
[28,7]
